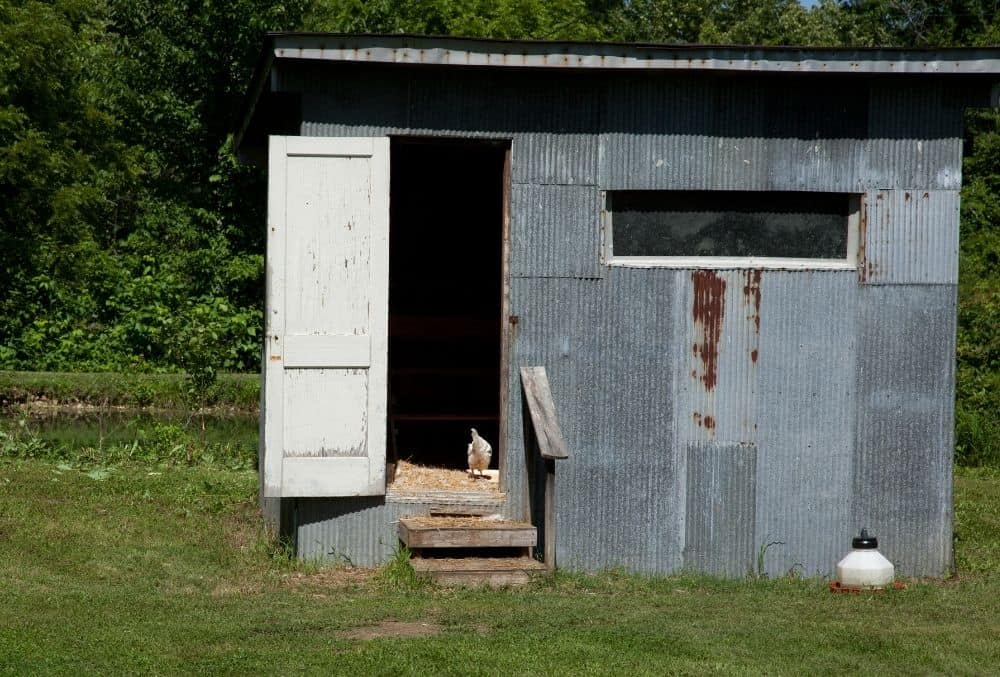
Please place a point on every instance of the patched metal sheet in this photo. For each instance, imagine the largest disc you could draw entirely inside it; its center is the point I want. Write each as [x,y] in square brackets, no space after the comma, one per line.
[905,428]
[911,237]
[720,505]
[606,346]
[555,231]
[673,132]
[805,415]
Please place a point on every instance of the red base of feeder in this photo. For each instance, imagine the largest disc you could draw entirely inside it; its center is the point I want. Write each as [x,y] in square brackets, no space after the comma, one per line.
[836,586]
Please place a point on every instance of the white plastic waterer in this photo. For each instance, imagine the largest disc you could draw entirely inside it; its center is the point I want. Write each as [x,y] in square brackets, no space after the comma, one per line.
[864,566]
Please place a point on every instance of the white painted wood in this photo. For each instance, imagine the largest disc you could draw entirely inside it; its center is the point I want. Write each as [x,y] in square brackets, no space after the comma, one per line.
[327,351]
[274,325]
[327,313]
[320,477]
[733,262]
[324,412]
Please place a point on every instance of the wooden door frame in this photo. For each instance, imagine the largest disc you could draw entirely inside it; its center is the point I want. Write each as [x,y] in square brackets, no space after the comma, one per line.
[508,324]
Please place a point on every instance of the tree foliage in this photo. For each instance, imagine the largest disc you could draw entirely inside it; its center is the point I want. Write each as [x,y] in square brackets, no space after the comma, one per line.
[131,238]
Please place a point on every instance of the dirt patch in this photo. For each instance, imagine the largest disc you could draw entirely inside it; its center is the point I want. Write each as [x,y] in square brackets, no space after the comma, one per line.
[394,630]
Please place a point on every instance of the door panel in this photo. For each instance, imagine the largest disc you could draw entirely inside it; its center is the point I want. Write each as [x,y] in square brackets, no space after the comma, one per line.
[327,315]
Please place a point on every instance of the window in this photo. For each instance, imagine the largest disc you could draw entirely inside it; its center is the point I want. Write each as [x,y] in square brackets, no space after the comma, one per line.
[731,229]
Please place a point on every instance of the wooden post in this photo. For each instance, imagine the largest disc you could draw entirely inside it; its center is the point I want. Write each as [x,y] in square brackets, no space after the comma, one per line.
[549,553]
[542,433]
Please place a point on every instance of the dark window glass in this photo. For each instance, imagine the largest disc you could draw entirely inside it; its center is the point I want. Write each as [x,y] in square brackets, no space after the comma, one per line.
[729,223]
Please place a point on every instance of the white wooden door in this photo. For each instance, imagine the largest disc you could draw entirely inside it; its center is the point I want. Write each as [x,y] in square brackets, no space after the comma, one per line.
[327,317]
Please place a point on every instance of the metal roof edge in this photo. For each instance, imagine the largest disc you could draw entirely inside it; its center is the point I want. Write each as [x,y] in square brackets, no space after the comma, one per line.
[476,52]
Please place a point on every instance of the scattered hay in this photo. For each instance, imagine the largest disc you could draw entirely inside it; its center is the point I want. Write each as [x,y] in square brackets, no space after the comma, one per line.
[442,522]
[412,477]
[337,576]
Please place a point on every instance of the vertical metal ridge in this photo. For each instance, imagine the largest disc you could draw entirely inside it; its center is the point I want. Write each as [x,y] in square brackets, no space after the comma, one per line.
[904,436]
[720,505]
[555,231]
[359,531]
[806,412]
[606,348]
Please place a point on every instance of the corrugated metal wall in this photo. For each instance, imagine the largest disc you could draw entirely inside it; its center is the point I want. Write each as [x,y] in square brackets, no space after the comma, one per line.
[708,413]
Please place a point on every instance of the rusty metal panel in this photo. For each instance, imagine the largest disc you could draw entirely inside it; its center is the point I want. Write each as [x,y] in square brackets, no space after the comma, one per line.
[555,231]
[911,237]
[766,359]
[721,482]
[717,320]
[606,345]
[905,379]
[805,417]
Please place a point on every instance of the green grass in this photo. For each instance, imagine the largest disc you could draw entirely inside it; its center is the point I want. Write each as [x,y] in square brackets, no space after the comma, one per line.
[168,391]
[141,568]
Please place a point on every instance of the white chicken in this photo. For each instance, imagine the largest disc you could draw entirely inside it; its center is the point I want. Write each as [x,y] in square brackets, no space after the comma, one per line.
[480,452]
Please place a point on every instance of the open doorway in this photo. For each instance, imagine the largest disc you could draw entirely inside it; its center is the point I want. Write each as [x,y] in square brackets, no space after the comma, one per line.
[446,268]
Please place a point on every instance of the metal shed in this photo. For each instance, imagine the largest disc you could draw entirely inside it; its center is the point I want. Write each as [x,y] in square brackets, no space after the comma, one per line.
[738,266]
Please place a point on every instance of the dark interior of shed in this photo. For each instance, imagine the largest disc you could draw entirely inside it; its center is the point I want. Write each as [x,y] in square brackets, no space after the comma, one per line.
[445,290]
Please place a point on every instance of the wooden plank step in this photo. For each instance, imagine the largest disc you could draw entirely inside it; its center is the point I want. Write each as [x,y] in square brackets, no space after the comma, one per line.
[465,532]
[493,571]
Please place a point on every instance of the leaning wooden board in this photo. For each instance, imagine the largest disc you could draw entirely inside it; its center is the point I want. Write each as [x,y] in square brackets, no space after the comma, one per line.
[543,413]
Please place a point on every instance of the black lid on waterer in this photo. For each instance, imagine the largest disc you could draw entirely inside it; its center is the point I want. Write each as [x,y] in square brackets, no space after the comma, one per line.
[864,541]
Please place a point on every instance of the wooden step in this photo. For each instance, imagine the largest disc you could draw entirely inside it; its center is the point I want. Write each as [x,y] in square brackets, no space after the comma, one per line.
[465,532]
[492,571]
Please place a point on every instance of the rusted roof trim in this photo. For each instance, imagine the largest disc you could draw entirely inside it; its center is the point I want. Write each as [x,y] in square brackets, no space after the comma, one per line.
[452,51]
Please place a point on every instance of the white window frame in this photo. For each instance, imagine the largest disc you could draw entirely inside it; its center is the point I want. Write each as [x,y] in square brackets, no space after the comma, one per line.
[850,262]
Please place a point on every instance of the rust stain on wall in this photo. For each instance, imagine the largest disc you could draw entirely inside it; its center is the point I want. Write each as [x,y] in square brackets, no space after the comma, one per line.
[751,294]
[751,298]
[708,311]
[707,422]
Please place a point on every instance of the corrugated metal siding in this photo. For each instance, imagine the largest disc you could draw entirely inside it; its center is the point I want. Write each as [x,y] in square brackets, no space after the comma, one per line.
[905,428]
[731,134]
[607,350]
[721,501]
[911,237]
[360,531]
[805,417]
[916,136]
[550,146]
[555,231]
[848,405]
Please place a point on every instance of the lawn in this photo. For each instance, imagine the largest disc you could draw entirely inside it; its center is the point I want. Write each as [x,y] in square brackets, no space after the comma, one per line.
[162,568]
